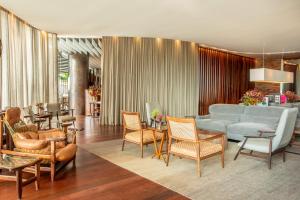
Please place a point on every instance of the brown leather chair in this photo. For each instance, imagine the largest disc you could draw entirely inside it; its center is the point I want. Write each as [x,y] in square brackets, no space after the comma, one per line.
[55,147]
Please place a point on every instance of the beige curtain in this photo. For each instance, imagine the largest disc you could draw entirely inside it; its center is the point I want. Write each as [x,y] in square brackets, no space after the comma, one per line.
[29,63]
[140,70]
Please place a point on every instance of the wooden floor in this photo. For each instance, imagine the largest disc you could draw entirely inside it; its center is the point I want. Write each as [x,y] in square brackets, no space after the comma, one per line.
[93,177]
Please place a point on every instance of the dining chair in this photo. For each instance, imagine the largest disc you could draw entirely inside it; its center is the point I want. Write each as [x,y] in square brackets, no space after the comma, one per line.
[135,131]
[184,141]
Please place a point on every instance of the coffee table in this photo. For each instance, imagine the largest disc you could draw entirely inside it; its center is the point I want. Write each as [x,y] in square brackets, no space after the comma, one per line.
[17,164]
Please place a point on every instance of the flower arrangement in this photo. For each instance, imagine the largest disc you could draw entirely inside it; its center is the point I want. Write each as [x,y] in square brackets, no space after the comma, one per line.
[252,97]
[157,116]
[94,91]
[291,96]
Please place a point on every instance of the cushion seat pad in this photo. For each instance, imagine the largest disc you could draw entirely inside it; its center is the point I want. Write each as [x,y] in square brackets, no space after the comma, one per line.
[135,136]
[190,148]
[246,128]
[257,144]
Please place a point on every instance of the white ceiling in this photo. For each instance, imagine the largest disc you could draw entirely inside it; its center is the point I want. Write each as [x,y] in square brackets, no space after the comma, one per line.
[238,25]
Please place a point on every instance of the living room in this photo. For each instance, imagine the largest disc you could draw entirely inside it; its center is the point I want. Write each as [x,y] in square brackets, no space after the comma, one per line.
[149,99]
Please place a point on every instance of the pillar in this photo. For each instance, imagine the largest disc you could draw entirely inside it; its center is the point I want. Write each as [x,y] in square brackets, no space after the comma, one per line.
[79,67]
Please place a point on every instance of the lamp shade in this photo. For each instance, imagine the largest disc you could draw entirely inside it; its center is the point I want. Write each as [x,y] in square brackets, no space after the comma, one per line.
[271,76]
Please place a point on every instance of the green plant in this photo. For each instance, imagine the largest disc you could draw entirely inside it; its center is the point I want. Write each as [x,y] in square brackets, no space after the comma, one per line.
[63,76]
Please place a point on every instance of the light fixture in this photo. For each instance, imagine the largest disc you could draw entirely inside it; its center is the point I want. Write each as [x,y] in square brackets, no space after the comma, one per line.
[267,75]
[271,76]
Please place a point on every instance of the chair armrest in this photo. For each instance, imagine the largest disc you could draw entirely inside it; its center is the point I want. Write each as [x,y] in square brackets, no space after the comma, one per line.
[266,131]
[144,124]
[261,136]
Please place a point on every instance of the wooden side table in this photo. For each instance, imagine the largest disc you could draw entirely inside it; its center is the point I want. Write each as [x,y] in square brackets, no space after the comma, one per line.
[39,118]
[17,164]
[158,151]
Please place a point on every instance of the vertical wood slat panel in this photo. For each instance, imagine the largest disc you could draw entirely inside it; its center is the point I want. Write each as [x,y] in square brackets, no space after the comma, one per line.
[224,77]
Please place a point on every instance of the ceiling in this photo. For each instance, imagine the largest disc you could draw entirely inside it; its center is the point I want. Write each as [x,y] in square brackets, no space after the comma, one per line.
[237,25]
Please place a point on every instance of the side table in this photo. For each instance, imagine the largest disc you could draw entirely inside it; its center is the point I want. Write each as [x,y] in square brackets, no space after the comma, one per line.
[17,164]
[158,150]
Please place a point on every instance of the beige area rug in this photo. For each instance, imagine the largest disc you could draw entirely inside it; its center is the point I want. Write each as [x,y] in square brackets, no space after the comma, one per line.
[245,178]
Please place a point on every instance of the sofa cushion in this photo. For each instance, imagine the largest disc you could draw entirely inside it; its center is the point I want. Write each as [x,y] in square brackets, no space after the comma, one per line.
[227,117]
[226,108]
[211,124]
[264,115]
[257,144]
[229,112]
[246,128]
[66,153]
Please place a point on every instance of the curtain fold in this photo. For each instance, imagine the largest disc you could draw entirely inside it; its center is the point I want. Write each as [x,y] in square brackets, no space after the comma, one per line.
[140,70]
[224,77]
[28,63]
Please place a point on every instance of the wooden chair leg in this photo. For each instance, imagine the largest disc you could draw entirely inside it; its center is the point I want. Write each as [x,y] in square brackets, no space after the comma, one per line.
[269,161]
[74,161]
[142,150]
[222,159]
[168,157]
[198,167]
[52,171]
[240,149]
[168,151]
[123,145]
[37,175]
[270,154]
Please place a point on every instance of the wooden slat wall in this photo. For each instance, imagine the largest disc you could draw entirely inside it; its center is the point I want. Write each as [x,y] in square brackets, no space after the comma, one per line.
[224,77]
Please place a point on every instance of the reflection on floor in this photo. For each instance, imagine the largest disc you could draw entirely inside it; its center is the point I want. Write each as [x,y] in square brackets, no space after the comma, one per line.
[93,177]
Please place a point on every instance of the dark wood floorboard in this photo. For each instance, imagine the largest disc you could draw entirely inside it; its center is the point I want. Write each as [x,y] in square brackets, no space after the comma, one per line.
[93,177]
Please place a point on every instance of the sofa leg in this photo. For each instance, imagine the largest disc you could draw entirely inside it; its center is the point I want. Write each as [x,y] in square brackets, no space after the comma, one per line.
[283,155]
[123,145]
[52,171]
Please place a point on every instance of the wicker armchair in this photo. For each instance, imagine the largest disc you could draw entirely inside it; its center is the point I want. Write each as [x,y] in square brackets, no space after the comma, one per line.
[134,131]
[55,147]
[187,143]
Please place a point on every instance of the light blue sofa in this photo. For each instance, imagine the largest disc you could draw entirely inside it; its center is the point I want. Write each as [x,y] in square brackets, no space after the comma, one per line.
[239,120]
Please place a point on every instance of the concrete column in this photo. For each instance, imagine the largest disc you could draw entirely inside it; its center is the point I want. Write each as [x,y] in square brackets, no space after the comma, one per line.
[79,67]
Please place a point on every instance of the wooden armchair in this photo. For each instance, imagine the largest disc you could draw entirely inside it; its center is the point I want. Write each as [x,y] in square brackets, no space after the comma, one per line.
[135,131]
[269,143]
[188,144]
[55,147]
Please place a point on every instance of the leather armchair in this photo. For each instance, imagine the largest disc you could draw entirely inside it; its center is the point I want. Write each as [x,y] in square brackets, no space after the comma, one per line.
[52,146]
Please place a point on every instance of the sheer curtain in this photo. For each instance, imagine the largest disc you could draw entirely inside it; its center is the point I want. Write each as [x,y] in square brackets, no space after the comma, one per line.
[28,63]
[138,70]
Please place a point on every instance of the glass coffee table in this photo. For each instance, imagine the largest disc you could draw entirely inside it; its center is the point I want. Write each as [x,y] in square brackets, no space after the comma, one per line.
[17,164]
